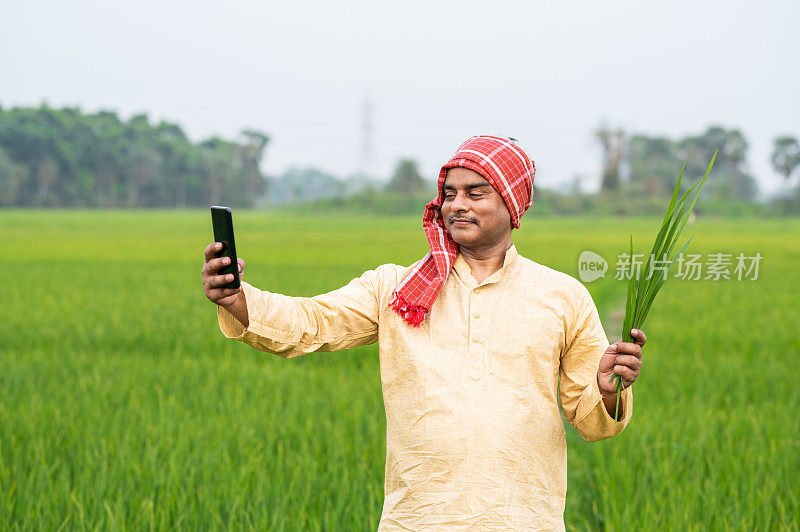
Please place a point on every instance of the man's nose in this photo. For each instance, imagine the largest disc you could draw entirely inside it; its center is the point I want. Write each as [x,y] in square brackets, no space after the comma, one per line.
[460,202]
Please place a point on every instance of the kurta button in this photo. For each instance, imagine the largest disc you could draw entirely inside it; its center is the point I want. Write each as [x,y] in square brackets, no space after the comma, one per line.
[476,315]
[474,338]
[477,290]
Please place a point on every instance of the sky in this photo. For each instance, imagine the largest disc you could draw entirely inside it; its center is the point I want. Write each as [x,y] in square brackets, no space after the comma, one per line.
[436,72]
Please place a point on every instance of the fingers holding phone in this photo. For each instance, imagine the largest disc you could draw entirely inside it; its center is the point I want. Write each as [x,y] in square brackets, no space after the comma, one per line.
[222,222]
[214,281]
[222,270]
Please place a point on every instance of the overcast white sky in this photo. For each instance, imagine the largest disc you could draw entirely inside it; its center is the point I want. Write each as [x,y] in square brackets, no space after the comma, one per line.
[437,72]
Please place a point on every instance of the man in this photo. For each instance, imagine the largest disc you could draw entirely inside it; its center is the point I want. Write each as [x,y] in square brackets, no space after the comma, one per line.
[473,339]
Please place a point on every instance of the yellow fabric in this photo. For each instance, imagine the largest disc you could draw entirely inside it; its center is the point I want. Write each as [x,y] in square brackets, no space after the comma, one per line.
[474,436]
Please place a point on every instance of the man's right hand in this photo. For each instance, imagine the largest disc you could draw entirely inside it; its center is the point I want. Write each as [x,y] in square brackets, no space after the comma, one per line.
[231,299]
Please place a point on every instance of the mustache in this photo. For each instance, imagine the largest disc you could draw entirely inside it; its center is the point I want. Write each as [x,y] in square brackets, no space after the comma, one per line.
[454,217]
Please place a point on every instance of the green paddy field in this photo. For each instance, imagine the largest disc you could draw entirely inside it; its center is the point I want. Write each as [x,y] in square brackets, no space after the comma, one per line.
[122,405]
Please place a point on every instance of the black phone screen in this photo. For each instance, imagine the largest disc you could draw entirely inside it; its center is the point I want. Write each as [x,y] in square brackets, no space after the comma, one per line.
[222,221]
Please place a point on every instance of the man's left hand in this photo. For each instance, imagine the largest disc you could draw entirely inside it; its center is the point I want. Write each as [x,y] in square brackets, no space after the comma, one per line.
[622,358]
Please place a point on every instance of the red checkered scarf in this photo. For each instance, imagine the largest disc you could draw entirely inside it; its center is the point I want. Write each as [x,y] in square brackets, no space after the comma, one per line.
[509,170]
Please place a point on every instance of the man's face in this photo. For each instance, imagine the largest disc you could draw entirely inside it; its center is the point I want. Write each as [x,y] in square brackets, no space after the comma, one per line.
[474,213]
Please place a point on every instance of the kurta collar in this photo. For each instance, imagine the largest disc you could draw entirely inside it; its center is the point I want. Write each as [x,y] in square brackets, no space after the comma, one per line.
[464,272]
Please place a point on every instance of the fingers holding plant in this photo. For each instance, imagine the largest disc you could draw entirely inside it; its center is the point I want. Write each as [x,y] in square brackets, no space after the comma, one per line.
[639,337]
[623,359]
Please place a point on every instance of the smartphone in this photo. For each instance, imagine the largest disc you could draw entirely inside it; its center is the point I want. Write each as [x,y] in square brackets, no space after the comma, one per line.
[222,222]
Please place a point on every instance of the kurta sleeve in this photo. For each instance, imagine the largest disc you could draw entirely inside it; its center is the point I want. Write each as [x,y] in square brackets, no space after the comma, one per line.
[292,326]
[580,395]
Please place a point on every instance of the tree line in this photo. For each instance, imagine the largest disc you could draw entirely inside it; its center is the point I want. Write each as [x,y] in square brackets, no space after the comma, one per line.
[67,158]
[303,185]
[651,163]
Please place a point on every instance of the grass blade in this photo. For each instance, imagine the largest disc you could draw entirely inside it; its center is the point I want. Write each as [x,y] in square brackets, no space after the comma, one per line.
[641,292]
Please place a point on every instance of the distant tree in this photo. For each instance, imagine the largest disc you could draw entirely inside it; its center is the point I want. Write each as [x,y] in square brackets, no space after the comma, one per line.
[107,157]
[654,163]
[142,160]
[30,138]
[785,155]
[220,162]
[359,181]
[47,172]
[177,167]
[406,179]
[252,153]
[142,168]
[730,178]
[304,184]
[12,179]
[64,157]
[612,141]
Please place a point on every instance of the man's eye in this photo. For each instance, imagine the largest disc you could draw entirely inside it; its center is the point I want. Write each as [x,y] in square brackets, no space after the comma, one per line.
[449,196]
[475,195]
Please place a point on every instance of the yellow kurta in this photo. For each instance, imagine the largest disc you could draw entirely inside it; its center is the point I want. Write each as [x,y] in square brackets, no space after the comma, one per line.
[474,438]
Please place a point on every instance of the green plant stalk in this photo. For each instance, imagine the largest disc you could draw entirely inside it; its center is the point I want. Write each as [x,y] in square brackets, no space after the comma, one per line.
[642,292]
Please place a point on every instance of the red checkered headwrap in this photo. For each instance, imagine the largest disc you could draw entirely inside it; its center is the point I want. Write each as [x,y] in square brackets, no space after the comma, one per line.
[509,170]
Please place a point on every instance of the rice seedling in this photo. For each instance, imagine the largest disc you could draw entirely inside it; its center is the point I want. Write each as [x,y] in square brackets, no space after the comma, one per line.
[642,292]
